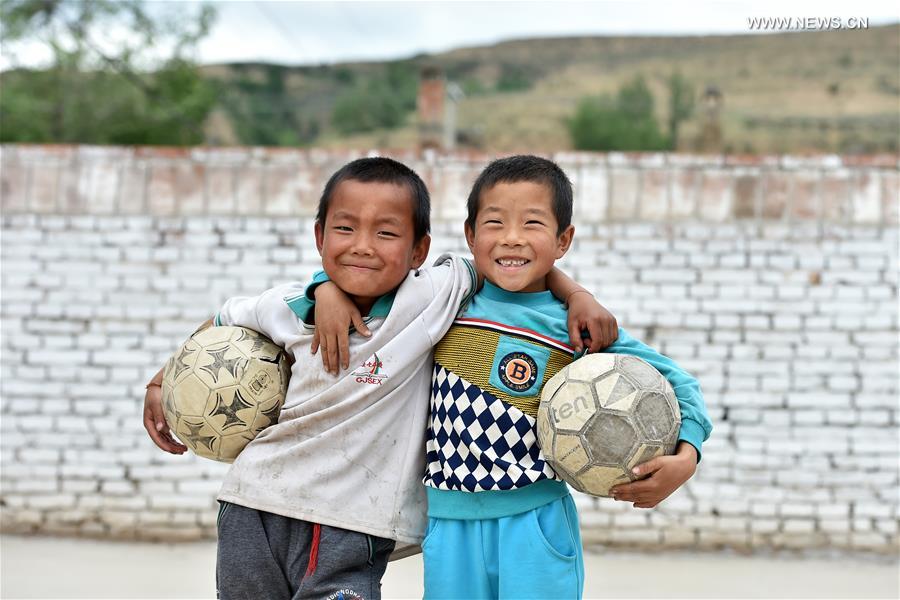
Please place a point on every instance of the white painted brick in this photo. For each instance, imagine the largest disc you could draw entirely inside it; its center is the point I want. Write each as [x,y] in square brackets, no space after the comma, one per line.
[50,357]
[887,526]
[754,477]
[732,524]
[877,445]
[79,486]
[118,519]
[98,471]
[639,536]
[50,502]
[841,417]
[702,260]
[816,331]
[181,502]
[872,383]
[32,485]
[853,247]
[764,509]
[842,383]
[875,417]
[789,509]
[844,352]
[808,417]
[760,525]
[878,292]
[775,337]
[18,309]
[862,524]
[874,510]
[794,526]
[753,367]
[879,321]
[727,321]
[135,357]
[124,503]
[117,488]
[756,322]
[119,444]
[156,487]
[200,487]
[679,276]
[785,446]
[833,511]
[787,322]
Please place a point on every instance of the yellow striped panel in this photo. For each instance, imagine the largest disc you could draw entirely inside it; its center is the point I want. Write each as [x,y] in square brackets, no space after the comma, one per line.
[469,352]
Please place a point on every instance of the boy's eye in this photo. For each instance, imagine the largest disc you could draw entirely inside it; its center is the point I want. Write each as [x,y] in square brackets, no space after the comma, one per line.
[493,222]
[342,228]
[387,233]
[533,222]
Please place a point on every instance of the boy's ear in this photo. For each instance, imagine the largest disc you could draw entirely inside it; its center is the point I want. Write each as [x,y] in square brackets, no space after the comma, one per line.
[470,238]
[564,240]
[420,251]
[320,237]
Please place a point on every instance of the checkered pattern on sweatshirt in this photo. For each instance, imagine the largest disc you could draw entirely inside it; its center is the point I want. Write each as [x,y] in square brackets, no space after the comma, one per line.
[477,442]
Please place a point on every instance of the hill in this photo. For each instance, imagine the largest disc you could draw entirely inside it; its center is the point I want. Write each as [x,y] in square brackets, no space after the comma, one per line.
[788,92]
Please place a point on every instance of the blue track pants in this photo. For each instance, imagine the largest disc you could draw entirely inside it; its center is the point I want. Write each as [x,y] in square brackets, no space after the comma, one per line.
[535,554]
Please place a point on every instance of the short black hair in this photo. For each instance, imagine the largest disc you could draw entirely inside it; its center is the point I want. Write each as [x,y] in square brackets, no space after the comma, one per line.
[382,170]
[525,167]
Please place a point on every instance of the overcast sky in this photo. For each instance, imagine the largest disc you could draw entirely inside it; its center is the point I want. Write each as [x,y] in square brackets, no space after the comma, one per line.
[315,32]
[300,32]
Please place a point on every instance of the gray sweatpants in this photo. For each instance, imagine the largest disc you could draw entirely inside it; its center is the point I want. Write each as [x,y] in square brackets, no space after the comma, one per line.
[266,556]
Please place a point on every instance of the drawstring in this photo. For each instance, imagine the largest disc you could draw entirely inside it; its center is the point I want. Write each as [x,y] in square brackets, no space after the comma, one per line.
[313,551]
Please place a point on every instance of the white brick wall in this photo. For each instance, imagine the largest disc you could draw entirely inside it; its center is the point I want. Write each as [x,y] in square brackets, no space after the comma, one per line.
[790,325]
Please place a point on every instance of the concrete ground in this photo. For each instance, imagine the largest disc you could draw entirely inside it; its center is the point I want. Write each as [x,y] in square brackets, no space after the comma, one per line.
[34,567]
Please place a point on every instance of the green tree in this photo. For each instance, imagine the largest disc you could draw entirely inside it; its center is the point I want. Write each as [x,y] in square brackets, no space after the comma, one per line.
[118,73]
[263,112]
[366,108]
[681,105]
[381,102]
[596,125]
[513,78]
[624,123]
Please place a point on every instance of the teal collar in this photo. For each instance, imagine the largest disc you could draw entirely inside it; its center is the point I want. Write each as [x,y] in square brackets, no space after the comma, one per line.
[382,306]
[303,307]
[493,292]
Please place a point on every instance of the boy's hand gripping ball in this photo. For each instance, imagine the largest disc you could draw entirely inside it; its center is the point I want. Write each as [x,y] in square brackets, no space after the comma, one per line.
[222,387]
[601,416]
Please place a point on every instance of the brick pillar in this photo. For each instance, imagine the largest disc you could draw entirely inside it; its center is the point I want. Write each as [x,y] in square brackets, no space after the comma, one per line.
[431,107]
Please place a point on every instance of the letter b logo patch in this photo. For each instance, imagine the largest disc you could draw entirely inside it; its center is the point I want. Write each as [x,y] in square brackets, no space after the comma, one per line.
[518,367]
[517,371]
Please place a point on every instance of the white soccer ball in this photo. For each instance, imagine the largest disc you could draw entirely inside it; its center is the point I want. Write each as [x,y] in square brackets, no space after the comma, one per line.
[222,387]
[602,415]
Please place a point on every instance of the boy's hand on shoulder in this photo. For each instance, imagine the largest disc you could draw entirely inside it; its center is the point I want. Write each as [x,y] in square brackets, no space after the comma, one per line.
[666,474]
[155,422]
[335,313]
[585,313]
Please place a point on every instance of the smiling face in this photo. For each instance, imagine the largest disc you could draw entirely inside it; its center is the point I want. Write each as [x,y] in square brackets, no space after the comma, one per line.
[514,241]
[367,240]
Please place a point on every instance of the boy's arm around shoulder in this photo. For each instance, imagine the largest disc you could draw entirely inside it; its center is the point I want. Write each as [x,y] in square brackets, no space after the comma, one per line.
[584,314]
[335,314]
[434,295]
